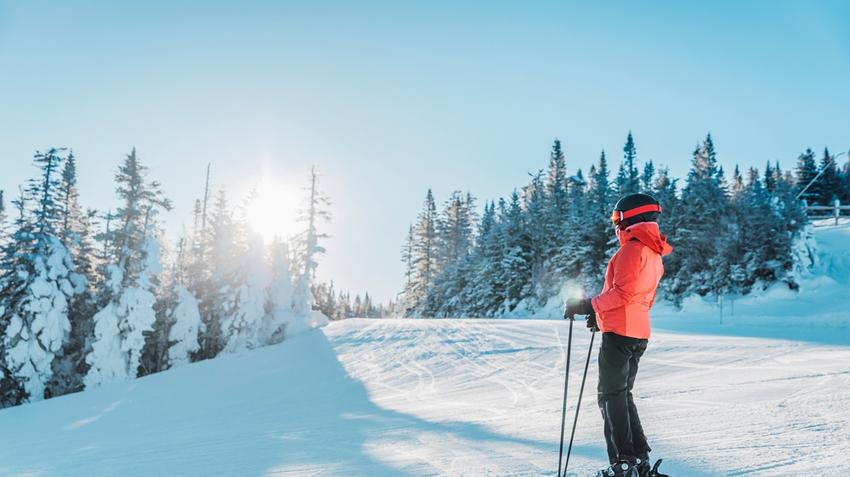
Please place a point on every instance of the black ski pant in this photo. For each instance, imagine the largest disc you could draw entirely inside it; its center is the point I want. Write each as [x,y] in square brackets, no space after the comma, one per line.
[618,366]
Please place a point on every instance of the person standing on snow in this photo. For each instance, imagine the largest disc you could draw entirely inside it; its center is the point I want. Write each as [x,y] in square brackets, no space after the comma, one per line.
[621,313]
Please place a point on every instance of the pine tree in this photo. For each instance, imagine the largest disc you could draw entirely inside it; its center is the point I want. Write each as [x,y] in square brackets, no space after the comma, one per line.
[455,228]
[516,260]
[844,183]
[769,179]
[628,181]
[539,285]
[407,256]
[485,290]
[425,258]
[805,173]
[826,189]
[596,231]
[75,232]
[129,291]
[3,219]
[557,207]
[281,320]
[308,244]
[705,201]
[185,327]
[246,302]
[37,282]
[646,179]
[224,259]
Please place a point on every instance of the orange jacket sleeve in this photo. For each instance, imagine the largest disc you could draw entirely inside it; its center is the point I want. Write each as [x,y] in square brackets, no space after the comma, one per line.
[626,275]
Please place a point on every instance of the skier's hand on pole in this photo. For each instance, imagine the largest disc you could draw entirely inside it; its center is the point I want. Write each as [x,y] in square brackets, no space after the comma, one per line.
[577,306]
[591,323]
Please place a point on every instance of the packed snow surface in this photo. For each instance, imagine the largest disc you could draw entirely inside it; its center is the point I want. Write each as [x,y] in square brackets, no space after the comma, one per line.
[443,397]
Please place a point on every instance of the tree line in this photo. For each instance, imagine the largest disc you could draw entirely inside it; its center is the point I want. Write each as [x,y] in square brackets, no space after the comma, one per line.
[90,297]
[731,235]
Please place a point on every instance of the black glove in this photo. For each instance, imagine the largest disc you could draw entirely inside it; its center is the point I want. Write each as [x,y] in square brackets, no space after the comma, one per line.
[577,306]
[591,323]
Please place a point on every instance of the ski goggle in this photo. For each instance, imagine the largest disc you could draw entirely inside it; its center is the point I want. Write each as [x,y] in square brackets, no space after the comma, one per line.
[618,216]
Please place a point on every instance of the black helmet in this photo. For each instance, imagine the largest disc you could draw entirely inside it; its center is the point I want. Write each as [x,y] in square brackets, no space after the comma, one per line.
[635,208]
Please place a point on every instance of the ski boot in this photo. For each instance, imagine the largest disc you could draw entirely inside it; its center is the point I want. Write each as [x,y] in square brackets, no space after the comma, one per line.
[644,469]
[643,466]
[624,468]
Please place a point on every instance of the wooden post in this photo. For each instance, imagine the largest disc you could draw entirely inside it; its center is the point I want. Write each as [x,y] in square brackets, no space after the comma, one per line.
[837,210]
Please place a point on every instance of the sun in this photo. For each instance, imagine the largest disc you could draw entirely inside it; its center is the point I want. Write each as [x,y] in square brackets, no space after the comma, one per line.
[272,211]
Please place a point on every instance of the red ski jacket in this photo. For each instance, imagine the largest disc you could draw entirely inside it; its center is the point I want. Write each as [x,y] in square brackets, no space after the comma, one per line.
[631,280]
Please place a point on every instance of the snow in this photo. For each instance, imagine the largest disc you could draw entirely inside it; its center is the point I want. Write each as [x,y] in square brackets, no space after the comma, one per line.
[442,397]
[762,392]
[36,333]
[184,331]
[119,337]
[120,326]
[242,326]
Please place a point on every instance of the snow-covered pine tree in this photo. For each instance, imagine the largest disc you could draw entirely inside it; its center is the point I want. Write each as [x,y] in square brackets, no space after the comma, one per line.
[187,293]
[281,320]
[705,203]
[486,291]
[185,327]
[557,206]
[804,174]
[647,178]
[540,283]
[13,267]
[246,303]
[425,254]
[407,255]
[769,181]
[827,188]
[308,244]
[223,262]
[75,231]
[595,235]
[455,228]
[3,219]
[794,255]
[569,265]
[455,239]
[344,301]
[561,213]
[326,301]
[515,263]
[131,278]
[628,177]
[844,182]
[38,280]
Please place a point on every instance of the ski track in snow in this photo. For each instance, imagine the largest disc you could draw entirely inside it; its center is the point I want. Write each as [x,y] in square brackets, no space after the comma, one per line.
[444,398]
[711,405]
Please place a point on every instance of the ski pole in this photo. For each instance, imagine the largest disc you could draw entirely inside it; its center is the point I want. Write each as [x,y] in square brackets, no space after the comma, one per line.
[564,408]
[578,404]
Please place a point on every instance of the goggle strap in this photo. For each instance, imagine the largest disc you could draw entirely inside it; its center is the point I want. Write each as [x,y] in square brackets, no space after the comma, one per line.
[640,210]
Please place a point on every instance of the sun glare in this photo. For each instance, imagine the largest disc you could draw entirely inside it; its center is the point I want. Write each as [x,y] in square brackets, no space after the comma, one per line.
[272,212]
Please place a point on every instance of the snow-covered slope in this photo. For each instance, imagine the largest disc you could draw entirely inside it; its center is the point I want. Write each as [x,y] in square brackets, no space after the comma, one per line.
[817,312]
[442,397]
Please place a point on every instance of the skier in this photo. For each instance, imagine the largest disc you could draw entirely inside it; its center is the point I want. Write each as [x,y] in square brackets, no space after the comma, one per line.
[621,312]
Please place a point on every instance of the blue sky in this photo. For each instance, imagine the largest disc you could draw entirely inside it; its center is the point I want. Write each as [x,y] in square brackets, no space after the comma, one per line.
[390,98]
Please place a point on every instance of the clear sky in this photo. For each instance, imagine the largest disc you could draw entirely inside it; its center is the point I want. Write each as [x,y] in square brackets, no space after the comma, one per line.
[390,98]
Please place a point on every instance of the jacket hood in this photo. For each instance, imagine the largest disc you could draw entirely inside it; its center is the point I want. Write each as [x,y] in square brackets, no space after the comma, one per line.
[648,234]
